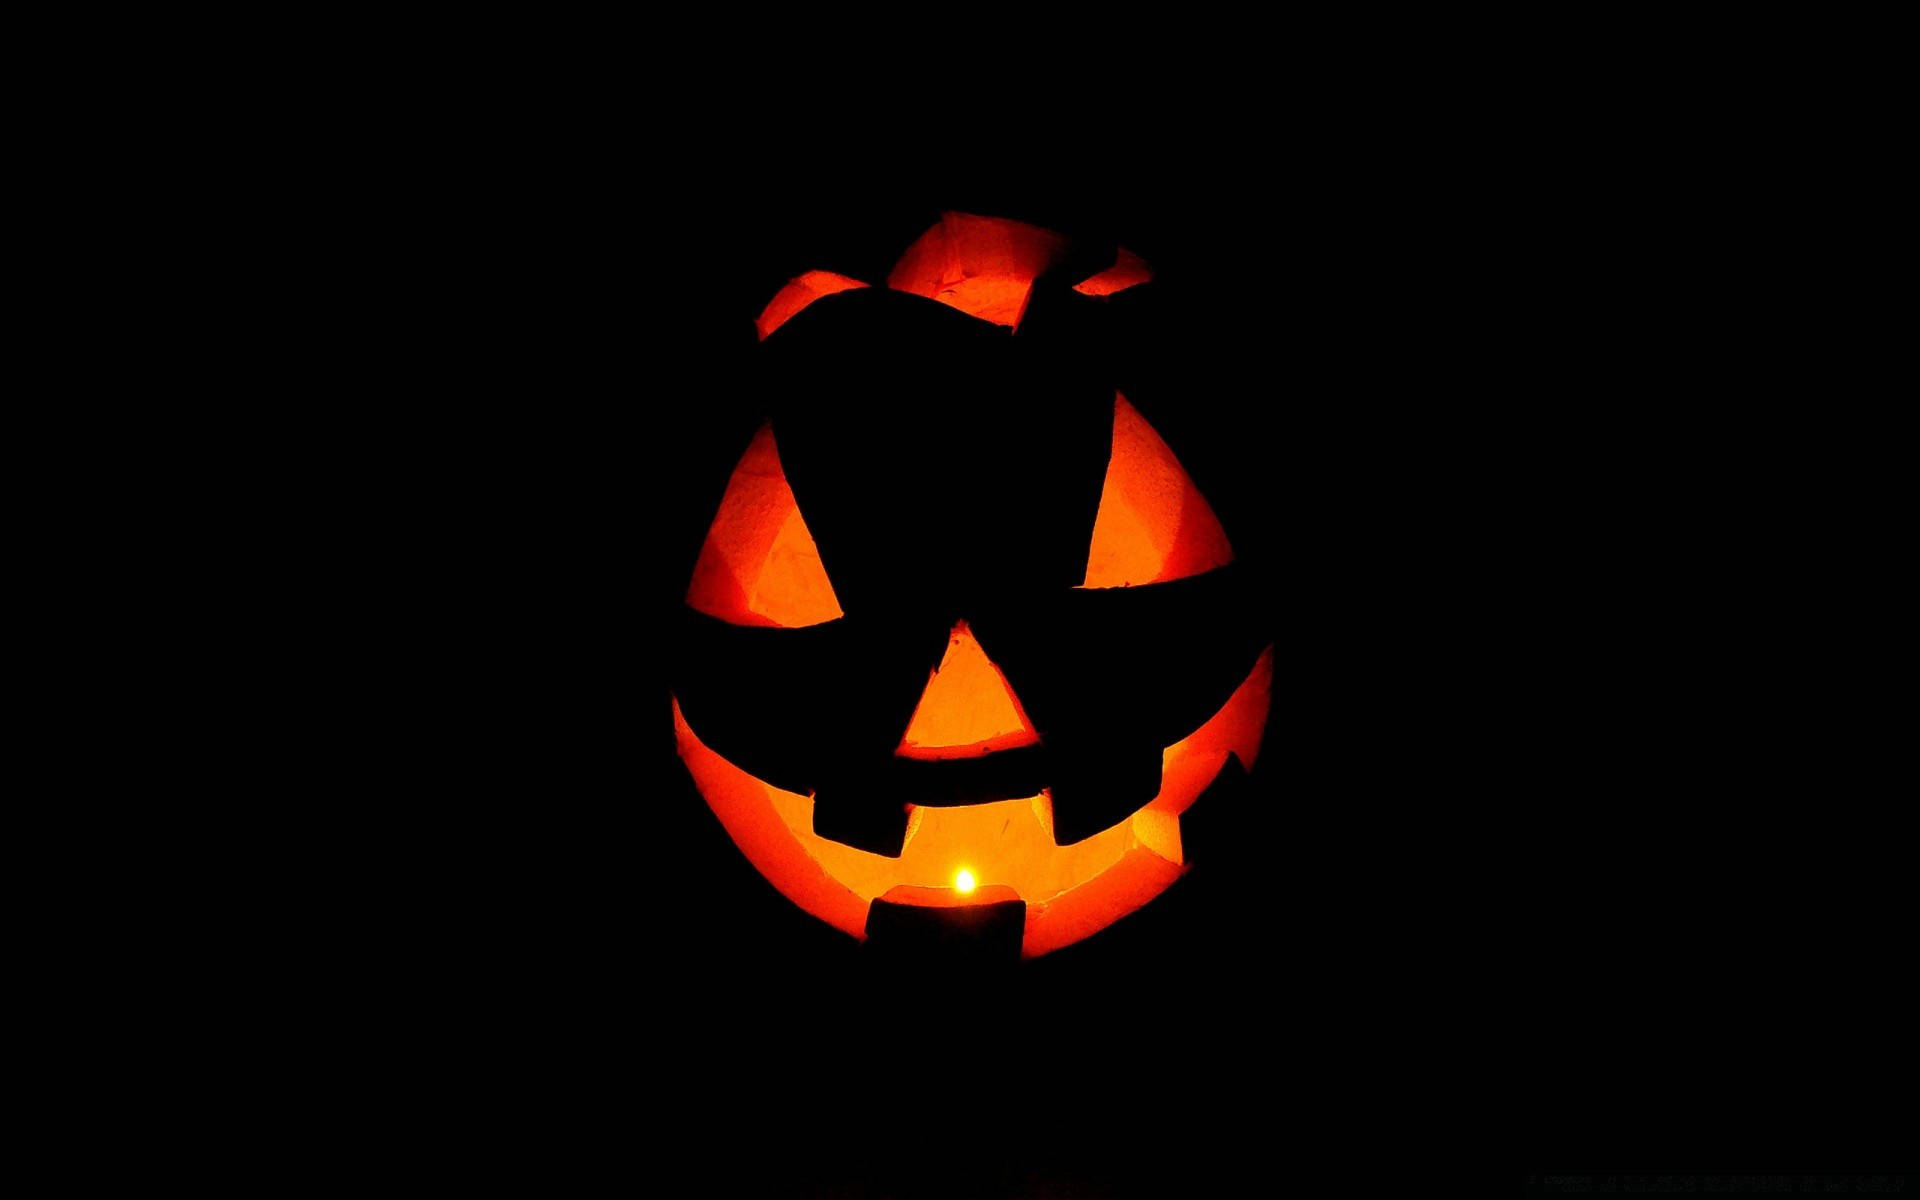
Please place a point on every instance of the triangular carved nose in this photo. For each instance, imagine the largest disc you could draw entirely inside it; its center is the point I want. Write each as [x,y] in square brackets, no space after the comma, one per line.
[968,708]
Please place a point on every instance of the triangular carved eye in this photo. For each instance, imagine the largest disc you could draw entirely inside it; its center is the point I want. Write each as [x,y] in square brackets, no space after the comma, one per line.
[1153,525]
[759,565]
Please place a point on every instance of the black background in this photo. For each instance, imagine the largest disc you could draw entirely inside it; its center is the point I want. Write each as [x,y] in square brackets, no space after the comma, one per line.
[602,903]
[1516,834]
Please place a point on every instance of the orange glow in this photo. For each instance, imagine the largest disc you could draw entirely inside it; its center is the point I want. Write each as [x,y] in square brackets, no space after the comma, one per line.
[983,266]
[1153,524]
[759,565]
[1070,891]
[801,291]
[968,708]
[949,897]
[1127,271]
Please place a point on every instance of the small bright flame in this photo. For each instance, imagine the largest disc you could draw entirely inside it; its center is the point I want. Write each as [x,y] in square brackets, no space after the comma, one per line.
[964,881]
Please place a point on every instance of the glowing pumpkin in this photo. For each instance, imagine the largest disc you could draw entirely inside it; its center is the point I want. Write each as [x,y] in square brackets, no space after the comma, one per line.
[961,634]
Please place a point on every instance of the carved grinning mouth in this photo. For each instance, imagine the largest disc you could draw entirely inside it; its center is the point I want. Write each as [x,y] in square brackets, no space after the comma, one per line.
[1006,846]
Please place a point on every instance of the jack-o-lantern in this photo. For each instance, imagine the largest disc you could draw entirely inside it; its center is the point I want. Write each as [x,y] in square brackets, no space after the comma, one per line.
[963,634]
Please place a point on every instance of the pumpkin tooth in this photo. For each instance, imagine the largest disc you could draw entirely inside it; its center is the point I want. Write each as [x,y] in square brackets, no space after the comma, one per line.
[973,935]
[875,828]
[1210,824]
[1095,791]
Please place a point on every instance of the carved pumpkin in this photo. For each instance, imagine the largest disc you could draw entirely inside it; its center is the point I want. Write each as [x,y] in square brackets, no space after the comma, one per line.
[963,639]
